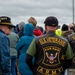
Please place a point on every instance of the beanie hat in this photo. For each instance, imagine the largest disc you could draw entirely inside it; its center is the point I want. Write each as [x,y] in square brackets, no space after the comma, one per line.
[51,21]
[64,27]
[21,25]
[33,21]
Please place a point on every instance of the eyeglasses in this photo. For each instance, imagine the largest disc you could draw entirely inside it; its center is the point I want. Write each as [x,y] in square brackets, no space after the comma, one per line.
[9,27]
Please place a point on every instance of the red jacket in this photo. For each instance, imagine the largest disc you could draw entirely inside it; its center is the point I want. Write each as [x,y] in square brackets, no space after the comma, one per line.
[37,32]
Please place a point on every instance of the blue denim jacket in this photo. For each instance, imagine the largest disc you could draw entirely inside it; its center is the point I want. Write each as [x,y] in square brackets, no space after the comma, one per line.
[4,54]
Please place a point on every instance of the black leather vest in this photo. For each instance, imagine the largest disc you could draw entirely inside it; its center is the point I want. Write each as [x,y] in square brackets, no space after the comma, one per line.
[50,55]
[71,39]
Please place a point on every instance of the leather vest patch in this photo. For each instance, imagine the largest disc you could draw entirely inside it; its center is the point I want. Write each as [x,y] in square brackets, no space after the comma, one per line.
[46,71]
[51,56]
[73,37]
[51,59]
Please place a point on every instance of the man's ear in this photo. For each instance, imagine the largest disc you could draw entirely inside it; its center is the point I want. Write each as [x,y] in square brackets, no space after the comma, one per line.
[45,27]
[57,27]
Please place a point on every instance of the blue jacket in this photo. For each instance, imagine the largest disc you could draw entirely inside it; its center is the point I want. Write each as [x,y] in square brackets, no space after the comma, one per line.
[4,54]
[25,41]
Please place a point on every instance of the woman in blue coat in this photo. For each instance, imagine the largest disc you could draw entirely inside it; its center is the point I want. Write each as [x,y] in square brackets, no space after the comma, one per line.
[24,43]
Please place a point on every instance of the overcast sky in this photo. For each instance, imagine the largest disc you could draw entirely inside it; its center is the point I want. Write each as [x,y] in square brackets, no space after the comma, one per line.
[21,10]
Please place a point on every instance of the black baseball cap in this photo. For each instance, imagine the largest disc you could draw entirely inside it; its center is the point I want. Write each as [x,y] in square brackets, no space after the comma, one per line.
[51,21]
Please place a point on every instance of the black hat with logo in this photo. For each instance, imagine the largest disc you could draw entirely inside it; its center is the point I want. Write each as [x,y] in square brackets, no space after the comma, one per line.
[4,20]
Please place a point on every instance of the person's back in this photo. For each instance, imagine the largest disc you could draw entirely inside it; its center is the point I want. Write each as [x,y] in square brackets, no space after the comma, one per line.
[23,45]
[13,38]
[52,53]
[66,31]
[71,39]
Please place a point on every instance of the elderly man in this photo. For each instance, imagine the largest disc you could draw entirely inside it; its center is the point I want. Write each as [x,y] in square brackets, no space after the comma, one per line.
[5,29]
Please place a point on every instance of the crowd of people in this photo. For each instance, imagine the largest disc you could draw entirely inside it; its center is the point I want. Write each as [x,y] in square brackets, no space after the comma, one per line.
[29,49]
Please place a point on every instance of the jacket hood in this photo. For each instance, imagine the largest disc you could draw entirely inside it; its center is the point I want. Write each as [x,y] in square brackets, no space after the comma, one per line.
[28,29]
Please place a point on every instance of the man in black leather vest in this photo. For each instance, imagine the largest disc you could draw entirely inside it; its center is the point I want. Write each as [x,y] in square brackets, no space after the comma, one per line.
[71,39]
[52,53]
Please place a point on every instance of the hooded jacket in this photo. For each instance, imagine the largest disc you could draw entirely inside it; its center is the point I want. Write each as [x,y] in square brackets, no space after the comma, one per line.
[37,32]
[24,42]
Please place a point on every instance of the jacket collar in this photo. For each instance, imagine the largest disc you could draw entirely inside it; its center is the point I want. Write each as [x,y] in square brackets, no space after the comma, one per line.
[1,31]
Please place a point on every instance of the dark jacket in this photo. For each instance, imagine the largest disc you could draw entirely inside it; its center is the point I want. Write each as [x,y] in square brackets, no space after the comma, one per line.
[52,53]
[71,39]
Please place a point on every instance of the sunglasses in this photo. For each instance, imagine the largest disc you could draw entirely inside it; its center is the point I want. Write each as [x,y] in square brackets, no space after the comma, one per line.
[9,27]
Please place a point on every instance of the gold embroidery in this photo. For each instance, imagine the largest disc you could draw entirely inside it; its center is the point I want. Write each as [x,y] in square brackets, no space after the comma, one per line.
[52,40]
[51,56]
[54,72]
[74,60]
[46,71]
[62,57]
[73,37]
[3,18]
